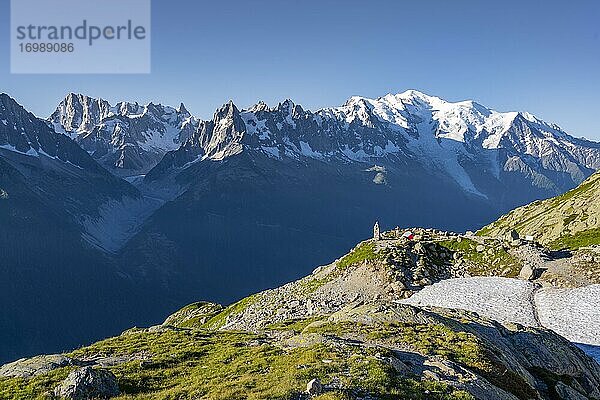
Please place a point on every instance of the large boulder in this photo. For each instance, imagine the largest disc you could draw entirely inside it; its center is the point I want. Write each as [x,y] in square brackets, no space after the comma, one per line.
[527,273]
[88,383]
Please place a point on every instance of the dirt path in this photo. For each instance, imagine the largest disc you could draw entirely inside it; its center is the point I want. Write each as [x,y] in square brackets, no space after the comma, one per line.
[552,268]
[532,301]
[563,270]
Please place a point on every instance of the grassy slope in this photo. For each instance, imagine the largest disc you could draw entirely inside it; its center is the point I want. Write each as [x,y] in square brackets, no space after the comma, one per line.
[200,363]
[571,220]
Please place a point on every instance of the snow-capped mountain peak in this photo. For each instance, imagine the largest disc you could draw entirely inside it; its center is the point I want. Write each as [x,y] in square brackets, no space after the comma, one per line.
[127,109]
[259,107]
[463,121]
[221,137]
[416,97]
[127,138]
[455,139]
[79,113]
[23,133]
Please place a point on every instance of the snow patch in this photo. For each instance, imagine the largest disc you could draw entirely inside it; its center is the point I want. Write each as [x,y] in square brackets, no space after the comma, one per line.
[135,179]
[161,142]
[31,152]
[501,299]
[271,151]
[359,155]
[391,148]
[308,151]
[571,313]
[118,221]
[58,128]
[255,126]
[290,121]
[376,168]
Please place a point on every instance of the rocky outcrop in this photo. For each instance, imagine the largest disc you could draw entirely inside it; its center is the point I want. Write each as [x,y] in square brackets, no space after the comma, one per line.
[374,270]
[34,366]
[88,383]
[507,361]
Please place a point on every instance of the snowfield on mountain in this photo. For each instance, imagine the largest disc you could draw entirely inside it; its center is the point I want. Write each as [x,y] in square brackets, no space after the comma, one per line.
[572,313]
[502,299]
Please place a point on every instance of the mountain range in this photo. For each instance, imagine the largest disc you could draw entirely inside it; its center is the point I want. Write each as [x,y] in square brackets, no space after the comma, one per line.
[460,140]
[148,207]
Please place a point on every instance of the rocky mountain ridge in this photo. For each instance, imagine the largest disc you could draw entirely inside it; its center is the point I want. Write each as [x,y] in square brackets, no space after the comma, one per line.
[54,260]
[23,133]
[128,138]
[457,140]
[57,170]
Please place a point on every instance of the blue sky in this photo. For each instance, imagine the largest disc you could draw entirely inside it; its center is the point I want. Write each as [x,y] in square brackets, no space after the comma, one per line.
[539,56]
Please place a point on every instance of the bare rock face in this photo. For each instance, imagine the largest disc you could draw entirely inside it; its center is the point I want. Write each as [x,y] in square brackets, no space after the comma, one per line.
[30,367]
[391,270]
[88,383]
[567,393]
[522,358]
[126,138]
